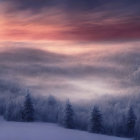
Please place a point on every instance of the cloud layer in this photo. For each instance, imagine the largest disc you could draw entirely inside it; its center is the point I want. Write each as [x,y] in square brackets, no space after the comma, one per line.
[96,20]
[110,70]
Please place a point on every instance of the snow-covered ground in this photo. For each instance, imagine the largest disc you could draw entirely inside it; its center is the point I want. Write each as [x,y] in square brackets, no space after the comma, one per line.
[45,131]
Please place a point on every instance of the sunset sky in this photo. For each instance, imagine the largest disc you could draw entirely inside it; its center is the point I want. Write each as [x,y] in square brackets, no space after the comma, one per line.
[90,20]
[78,49]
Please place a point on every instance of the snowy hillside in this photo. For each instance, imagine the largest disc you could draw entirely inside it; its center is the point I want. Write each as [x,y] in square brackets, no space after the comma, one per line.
[45,131]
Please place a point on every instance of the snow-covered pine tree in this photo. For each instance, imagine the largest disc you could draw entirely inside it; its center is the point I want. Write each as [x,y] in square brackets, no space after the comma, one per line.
[131,120]
[69,116]
[9,112]
[137,130]
[96,121]
[28,109]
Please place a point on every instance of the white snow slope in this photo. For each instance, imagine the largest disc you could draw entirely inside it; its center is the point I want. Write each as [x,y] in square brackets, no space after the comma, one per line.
[45,131]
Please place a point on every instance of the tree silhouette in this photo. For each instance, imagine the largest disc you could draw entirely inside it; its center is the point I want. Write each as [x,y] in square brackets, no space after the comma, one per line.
[69,116]
[28,110]
[131,120]
[96,121]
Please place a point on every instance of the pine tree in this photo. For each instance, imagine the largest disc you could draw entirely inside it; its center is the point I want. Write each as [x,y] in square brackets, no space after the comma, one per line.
[69,116]
[9,112]
[96,121]
[137,130]
[131,120]
[28,110]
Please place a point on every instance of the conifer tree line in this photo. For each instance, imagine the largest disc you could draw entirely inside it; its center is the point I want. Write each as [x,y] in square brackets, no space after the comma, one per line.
[94,119]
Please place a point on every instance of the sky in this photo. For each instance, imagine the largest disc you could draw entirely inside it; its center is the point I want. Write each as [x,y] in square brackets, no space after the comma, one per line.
[77,49]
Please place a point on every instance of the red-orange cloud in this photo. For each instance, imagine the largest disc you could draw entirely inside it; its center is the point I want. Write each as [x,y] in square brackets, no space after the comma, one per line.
[54,23]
